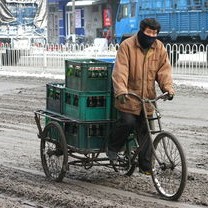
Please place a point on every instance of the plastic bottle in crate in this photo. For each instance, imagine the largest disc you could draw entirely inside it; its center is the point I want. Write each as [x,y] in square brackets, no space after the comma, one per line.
[77,71]
[95,101]
[50,93]
[104,101]
[99,130]
[92,72]
[68,98]
[57,95]
[90,102]
[74,129]
[101,101]
[70,71]
[76,100]
[98,101]
[105,72]
[92,130]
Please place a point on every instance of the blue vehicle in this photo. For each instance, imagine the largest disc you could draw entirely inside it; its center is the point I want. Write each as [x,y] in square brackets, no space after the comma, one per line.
[182,21]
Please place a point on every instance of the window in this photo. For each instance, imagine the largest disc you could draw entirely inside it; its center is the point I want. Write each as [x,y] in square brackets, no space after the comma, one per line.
[123,11]
[133,9]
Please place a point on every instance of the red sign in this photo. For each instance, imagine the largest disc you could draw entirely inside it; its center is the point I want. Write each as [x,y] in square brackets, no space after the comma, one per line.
[107,18]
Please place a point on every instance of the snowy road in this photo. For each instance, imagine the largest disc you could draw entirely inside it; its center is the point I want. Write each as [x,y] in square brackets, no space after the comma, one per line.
[23,184]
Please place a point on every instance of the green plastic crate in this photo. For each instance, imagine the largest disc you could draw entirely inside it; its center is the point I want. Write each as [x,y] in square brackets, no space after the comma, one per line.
[54,97]
[87,106]
[88,75]
[84,136]
[87,136]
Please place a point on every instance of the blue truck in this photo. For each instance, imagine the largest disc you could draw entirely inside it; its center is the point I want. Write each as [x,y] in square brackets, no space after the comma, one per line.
[182,21]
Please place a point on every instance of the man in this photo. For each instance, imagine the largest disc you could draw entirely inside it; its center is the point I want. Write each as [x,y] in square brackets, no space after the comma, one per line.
[141,60]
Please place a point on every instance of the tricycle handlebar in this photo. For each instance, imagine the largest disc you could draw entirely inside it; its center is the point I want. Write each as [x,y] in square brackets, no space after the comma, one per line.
[162,96]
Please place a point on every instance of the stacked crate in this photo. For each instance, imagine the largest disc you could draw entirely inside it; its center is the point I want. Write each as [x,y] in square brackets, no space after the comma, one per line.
[54,97]
[85,98]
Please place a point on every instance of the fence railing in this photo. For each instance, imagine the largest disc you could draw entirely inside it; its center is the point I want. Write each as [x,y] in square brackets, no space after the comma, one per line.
[188,59]
[51,56]
[185,59]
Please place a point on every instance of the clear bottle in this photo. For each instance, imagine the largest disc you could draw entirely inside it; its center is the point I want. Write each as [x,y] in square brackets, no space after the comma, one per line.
[68,98]
[101,130]
[50,93]
[99,101]
[103,101]
[76,100]
[70,71]
[90,101]
[92,130]
[93,72]
[90,69]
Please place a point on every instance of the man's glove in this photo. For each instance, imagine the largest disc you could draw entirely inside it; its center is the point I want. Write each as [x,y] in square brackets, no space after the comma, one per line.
[122,98]
[168,97]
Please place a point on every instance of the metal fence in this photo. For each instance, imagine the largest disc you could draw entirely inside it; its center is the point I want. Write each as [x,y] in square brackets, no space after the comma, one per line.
[188,59]
[185,59]
[51,56]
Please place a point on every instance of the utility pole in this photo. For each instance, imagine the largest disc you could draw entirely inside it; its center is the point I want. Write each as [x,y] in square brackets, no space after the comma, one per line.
[73,17]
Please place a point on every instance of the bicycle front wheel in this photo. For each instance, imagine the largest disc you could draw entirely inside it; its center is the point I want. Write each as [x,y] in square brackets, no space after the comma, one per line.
[169,170]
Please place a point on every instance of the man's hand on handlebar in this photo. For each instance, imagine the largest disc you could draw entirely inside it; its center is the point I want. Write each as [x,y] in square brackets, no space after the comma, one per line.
[122,98]
[168,97]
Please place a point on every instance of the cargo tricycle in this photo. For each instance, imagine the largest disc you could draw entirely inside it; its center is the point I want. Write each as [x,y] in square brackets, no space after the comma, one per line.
[77,135]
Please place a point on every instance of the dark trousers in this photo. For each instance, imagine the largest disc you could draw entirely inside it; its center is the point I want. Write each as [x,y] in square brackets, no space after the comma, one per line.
[125,125]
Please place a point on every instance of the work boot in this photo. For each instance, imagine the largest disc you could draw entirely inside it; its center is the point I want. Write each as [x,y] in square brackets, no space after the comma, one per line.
[145,171]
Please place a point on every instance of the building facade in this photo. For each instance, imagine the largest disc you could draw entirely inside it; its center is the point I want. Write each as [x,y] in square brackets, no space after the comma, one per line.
[87,19]
[23,23]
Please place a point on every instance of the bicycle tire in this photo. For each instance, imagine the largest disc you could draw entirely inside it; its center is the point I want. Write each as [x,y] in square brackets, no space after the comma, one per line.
[170,177]
[53,151]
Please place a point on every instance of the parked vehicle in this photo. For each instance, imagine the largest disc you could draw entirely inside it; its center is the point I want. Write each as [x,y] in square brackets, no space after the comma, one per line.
[182,21]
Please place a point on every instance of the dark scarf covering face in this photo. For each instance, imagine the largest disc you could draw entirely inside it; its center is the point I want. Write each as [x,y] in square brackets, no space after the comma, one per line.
[145,40]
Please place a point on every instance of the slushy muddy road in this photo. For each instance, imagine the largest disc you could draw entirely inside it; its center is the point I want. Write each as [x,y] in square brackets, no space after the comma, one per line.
[23,183]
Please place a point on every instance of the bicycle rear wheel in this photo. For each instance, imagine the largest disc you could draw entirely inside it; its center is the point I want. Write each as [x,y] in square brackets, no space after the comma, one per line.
[124,164]
[53,151]
[170,175]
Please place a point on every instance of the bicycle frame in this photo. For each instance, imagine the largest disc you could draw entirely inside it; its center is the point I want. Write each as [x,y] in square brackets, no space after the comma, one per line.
[153,103]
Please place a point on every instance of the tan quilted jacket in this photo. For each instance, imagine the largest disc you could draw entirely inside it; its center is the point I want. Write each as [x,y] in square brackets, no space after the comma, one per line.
[136,71]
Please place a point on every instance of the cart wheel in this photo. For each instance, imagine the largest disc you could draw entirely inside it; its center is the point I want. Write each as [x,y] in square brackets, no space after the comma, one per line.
[170,176]
[124,164]
[53,150]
